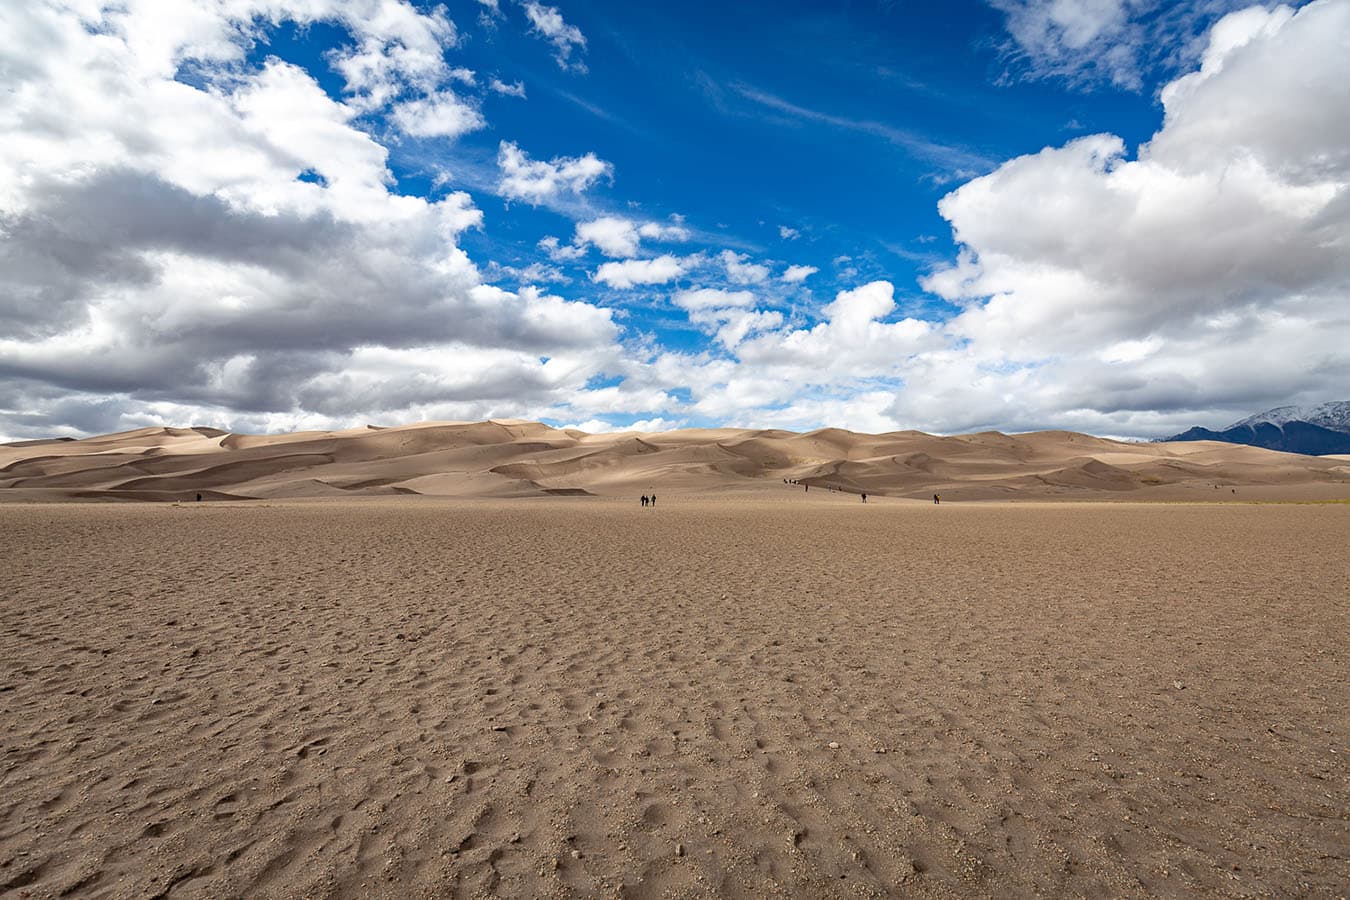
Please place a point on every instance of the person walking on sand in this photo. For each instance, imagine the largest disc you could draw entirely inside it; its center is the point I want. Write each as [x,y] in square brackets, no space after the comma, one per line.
[644,501]
[864,498]
[936,499]
[653,500]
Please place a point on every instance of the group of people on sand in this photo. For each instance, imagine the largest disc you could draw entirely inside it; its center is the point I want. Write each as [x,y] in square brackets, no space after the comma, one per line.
[648,501]
[937,498]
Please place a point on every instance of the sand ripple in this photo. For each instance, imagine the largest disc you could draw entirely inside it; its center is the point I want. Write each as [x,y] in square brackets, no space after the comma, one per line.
[741,697]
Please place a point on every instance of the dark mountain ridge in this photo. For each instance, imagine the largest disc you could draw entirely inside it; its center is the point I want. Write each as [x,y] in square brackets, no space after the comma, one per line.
[1316,431]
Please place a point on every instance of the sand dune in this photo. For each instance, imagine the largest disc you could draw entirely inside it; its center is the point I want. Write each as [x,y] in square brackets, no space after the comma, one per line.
[385,681]
[504,458]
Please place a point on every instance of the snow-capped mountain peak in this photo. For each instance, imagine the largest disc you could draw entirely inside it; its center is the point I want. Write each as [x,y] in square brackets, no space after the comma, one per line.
[1333,415]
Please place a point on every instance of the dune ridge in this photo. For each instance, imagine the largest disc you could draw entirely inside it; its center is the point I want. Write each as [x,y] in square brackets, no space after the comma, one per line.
[512,458]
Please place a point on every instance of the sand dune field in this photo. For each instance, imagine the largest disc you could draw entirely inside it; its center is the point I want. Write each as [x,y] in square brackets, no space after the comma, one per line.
[741,694]
[527,459]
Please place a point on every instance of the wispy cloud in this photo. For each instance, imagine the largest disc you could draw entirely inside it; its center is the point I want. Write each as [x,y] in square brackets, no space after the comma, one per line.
[548,23]
[606,115]
[929,258]
[1118,42]
[598,111]
[516,89]
[958,159]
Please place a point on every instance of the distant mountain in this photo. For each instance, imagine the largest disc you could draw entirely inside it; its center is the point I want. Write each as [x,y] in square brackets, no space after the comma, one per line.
[1314,430]
[1334,416]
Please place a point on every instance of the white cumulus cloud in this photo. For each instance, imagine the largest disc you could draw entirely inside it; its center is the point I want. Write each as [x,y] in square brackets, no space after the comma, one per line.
[726,314]
[558,251]
[742,272]
[617,236]
[613,235]
[1220,248]
[631,272]
[838,363]
[233,250]
[537,180]
[712,298]
[438,115]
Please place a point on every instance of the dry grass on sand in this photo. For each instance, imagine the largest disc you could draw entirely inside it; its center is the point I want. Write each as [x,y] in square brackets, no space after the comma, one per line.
[747,696]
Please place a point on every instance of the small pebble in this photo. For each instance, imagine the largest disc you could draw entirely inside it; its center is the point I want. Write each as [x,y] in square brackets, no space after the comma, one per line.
[834,745]
[679,849]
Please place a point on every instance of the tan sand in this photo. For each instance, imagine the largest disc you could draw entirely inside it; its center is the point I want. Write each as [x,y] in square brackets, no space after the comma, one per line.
[746,695]
[510,458]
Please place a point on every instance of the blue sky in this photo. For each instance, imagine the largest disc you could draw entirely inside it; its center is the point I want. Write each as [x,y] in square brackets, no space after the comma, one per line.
[845,127]
[1118,216]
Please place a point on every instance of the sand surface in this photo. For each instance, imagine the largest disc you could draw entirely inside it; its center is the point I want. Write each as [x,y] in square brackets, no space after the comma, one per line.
[526,459]
[737,695]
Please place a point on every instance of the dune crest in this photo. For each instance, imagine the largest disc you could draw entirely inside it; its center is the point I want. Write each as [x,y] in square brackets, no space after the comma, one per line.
[515,458]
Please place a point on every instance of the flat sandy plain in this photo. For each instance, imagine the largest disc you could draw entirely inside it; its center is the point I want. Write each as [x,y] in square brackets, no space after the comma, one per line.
[746,695]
